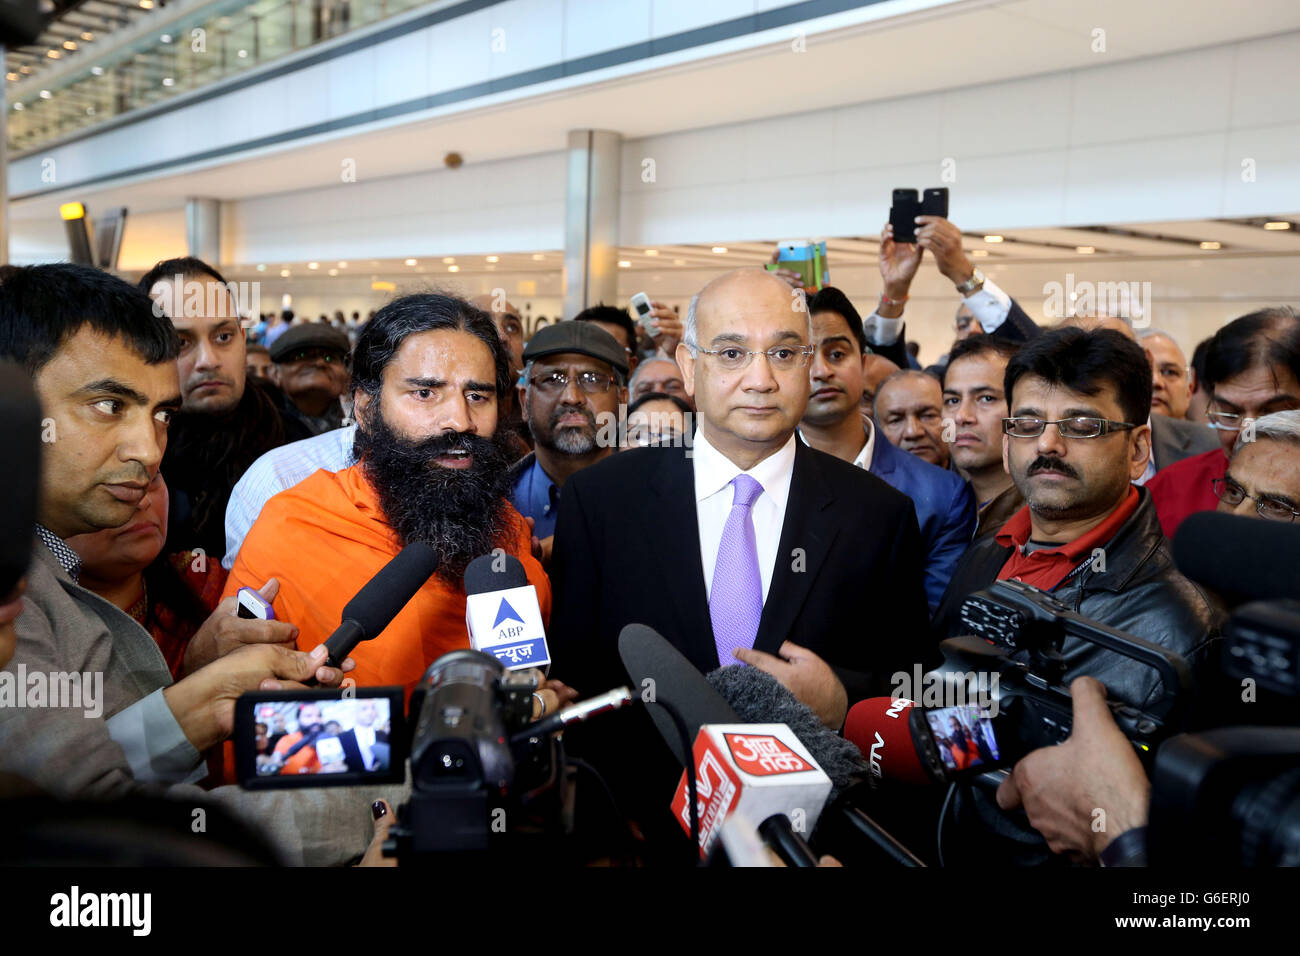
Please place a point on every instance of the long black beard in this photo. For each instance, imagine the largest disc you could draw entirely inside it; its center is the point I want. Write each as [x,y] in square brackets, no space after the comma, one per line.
[460,513]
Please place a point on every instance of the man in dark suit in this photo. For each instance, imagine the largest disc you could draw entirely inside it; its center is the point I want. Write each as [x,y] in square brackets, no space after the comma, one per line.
[364,746]
[749,545]
[945,507]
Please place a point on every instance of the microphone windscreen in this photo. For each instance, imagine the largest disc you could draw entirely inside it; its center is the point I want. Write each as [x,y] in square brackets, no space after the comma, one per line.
[384,595]
[494,572]
[1243,559]
[20,437]
[647,655]
[879,727]
[759,698]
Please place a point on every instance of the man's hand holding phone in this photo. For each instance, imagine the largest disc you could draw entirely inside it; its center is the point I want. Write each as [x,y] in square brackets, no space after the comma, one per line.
[943,239]
[225,630]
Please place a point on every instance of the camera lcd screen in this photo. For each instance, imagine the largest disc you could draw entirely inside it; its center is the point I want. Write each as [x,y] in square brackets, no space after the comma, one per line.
[964,735]
[319,738]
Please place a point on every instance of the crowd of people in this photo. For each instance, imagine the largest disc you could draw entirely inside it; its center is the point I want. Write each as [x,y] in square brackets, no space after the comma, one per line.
[780,488]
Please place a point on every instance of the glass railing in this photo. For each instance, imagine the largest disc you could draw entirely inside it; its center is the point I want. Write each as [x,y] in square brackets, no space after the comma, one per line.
[213,45]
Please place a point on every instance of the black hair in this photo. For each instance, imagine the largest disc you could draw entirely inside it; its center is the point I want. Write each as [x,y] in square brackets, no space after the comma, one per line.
[186,266]
[979,345]
[384,334]
[1269,337]
[254,348]
[1083,362]
[831,299]
[41,307]
[1198,360]
[613,315]
[660,397]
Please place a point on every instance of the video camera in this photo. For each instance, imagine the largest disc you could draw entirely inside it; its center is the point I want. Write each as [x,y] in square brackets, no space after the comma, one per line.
[1015,641]
[476,759]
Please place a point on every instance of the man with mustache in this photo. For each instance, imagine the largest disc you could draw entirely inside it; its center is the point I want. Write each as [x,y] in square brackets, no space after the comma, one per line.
[574,381]
[427,375]
[1076,437]
[225,422]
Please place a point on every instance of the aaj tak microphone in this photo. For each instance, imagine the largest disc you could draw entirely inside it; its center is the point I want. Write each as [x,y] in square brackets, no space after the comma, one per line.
[502,615]
[762,772]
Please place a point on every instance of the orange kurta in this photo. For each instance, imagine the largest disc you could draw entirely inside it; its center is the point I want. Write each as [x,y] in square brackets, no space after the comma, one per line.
[323,539]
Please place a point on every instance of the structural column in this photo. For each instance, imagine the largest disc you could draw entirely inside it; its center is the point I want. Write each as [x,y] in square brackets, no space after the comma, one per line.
[591,219]
[203,229]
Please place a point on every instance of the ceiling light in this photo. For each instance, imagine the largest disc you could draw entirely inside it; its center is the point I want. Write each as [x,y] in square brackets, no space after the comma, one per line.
[992,238]
[69,44]
[538,257]
[624,264]
[166,38]
[261,267]
[334,272]
[97,70]
[53,54]
[1277,226]
[168,81]
[45,94]
[284,273]
[242,54]
[24,69]
[313,265]
[679,262]
[410,262]
[493,258]
[453,268]
[146,4]
[343,264]
[1211,245]
[1085,250]
[88,36]
[979,253]
[448,260]
[19,107]
[720,250]
[652,252]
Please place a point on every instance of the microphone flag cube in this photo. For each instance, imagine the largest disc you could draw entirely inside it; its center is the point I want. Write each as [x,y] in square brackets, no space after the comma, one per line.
[753,769]
[508,625]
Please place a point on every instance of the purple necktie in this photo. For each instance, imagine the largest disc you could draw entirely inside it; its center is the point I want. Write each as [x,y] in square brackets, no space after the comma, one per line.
[736,597]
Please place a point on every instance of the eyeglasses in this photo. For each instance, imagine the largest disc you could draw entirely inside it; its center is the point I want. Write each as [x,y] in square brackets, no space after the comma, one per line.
[552,383]
[781,358]
[1232,494]
[1224,421]
[1078,427]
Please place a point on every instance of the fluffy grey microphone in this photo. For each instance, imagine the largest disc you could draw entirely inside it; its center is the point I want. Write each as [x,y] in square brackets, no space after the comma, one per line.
[759,698]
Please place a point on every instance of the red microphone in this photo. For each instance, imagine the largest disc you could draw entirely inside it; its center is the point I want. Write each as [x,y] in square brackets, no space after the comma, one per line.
[880,727]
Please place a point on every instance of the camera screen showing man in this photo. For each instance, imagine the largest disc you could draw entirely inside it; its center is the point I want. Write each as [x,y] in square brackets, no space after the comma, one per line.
[345,736]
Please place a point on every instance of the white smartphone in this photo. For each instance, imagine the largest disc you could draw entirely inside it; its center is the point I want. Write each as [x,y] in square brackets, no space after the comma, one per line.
[253,605]
[641,305]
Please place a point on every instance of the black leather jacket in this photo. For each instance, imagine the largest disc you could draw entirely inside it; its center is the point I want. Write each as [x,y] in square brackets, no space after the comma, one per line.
[1140,592]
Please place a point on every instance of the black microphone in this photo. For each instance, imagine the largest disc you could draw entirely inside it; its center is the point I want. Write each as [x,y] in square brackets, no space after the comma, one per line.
[381,599]
[647,656]
[1244,559]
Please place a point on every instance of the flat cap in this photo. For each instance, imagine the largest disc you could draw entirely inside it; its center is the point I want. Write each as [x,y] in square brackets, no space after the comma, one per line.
[309,335]
[584,338]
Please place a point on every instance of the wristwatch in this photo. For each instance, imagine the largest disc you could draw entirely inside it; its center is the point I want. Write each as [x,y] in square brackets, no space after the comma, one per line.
[973,284]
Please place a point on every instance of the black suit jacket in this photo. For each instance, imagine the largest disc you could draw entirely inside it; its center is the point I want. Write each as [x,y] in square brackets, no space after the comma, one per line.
[848,580]
[1016,327]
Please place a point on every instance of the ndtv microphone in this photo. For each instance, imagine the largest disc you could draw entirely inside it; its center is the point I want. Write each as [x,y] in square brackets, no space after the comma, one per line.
[502,615]
[881,728]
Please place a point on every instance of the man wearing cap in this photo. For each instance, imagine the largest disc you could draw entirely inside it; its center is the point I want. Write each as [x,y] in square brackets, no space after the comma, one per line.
[575,379]
[311,365]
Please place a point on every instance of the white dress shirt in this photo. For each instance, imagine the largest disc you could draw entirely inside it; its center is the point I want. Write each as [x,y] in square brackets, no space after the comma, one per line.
[713,494]
[863,460]
[989,304]
[366,744]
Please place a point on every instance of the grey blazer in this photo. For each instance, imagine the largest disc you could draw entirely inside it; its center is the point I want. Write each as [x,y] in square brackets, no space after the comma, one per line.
[1173,439]
[65,628]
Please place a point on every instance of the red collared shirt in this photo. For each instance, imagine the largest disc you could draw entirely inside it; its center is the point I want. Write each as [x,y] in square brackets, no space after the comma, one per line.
[1047,568]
